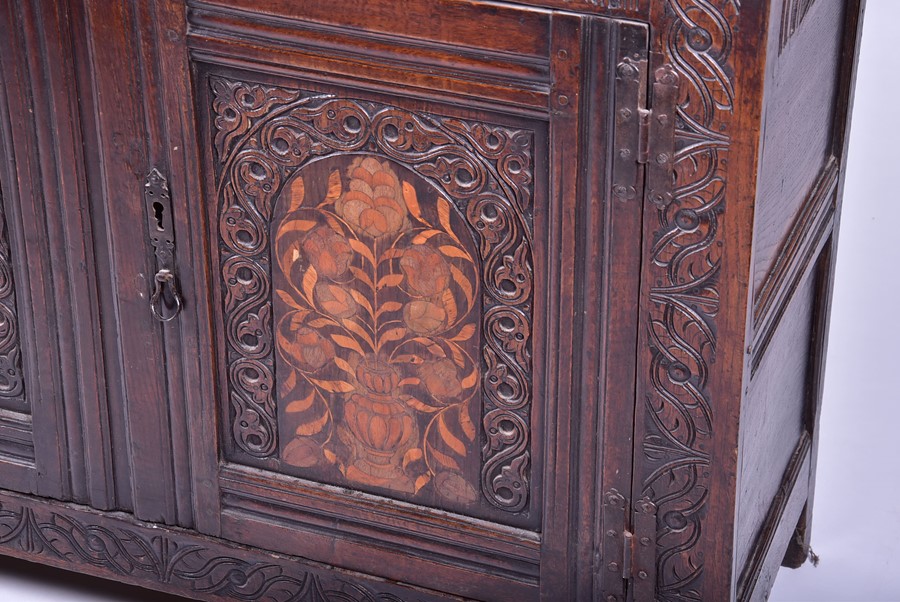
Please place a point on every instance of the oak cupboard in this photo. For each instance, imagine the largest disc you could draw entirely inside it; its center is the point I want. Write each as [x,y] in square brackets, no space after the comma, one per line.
[418,300]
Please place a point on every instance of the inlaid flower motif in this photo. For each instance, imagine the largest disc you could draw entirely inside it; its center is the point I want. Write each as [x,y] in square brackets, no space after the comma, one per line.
[374,203]
[304,347]
[427,272]
[441,379]
[335,300]
[328,252]
[424,317]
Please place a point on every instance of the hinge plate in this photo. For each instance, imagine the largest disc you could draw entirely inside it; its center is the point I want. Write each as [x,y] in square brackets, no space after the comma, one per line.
[643,551]
[628,553]
[630,94]
[661,137]
[644,135]
[612,548]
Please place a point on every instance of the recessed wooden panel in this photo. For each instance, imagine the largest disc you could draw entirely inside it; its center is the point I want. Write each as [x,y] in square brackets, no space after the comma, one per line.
[773,415]
[376,294]
[801,91]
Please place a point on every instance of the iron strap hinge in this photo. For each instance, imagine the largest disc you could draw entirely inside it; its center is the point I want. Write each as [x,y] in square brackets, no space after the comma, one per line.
[644,135]
[627,568]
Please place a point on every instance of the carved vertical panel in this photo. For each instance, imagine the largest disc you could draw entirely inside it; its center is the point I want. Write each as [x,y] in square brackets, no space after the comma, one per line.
[12,387]
[264,135]
[683,269]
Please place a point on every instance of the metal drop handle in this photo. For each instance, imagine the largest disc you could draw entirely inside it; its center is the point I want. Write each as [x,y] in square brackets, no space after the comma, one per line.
[159,304]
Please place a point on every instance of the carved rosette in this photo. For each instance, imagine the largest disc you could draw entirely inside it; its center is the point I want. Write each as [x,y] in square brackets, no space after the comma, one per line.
[265,134]
[684,270]
[12,387]
[135,553]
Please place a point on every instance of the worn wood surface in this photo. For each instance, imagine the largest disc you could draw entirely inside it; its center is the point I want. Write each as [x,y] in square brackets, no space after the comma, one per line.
[472,290]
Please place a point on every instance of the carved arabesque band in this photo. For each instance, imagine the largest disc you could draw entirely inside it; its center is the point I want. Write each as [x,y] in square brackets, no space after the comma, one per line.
[265,134]
[138,553]
[12,387]
[684,272]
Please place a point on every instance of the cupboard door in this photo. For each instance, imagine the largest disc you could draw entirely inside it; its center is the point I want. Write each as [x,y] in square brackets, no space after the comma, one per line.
[403,287]
[51,376]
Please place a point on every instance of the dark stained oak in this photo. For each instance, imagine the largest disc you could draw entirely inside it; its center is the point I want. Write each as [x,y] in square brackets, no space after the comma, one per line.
[457,299]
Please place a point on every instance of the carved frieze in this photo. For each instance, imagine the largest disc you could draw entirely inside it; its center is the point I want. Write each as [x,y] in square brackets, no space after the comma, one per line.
[161,558]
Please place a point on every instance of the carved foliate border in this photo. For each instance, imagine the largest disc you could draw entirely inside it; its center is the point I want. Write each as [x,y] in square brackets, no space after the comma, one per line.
[683,270]
[84,541]
[264,134]
[12,385]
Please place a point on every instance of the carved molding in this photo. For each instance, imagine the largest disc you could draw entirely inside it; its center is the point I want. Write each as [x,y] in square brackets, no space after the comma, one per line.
[265,134]
[12,386]
[155,556]
[684,271]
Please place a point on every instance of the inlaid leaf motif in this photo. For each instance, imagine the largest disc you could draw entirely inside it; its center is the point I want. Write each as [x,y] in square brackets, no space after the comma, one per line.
[297,195]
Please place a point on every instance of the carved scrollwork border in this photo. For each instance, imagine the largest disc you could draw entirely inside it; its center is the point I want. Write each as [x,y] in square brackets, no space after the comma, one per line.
[152,556]
[12,384]
[264,134]
[683,270]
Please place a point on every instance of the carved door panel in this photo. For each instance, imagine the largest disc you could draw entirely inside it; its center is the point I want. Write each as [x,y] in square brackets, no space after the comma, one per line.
[50,369]
[396,357]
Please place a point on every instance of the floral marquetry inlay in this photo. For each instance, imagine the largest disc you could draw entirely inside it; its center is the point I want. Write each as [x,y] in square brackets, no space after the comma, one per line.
[377,292]
[375,330]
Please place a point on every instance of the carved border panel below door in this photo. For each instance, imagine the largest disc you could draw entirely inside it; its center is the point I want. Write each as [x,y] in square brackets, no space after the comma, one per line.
[262,136]
[113,546]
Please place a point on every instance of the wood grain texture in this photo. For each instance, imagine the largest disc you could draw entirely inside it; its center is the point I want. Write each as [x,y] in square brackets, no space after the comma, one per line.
[49,234]
[798,547]
[801,95]
[758,575]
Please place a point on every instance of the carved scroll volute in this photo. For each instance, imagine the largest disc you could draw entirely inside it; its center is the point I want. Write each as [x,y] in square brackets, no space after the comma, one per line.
[266,134]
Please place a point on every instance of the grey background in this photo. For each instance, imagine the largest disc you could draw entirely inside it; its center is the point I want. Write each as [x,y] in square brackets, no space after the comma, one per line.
[857,513]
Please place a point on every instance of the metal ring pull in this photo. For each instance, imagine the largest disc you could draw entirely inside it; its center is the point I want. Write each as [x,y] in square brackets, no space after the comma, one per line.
[158,303]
